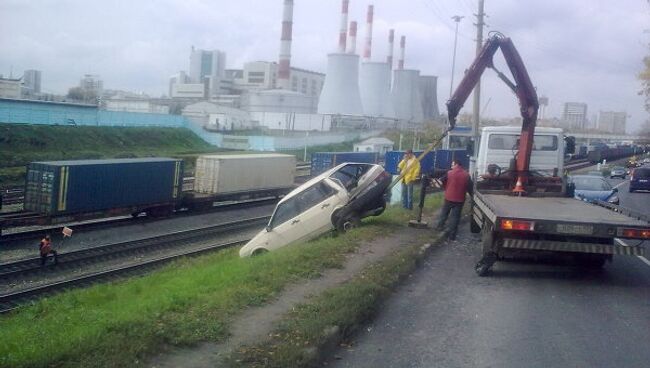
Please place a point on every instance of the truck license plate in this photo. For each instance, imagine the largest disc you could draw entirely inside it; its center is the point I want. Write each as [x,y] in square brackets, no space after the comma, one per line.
[575,229]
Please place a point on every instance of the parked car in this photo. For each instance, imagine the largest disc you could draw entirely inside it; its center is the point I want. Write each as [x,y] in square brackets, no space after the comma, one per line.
[591,188]
[640,179]
[618,172]
[337,199]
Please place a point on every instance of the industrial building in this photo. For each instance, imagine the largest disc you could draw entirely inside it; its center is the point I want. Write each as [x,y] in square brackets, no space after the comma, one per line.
[91,85]
[10,88]
[375,144]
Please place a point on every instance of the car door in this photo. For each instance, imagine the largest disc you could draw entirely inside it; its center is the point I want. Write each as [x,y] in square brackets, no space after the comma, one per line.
[284,226]
[318,203]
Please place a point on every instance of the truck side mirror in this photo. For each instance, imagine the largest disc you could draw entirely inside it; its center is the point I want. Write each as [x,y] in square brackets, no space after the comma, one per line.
[570,144]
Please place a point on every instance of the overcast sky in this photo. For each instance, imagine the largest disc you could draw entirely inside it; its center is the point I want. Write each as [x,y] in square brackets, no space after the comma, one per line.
[579,50]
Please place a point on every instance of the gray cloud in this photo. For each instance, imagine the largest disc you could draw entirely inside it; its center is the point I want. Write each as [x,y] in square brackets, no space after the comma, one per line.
[582,50]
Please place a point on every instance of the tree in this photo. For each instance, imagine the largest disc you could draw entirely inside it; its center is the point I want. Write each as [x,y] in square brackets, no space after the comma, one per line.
[79,94]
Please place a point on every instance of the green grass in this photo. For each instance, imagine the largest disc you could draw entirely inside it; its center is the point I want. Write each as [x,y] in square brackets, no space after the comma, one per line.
[301,331]
[21,144]
[184,303]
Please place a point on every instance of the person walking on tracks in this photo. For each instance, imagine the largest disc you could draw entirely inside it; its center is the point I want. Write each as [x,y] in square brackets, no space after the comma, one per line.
[409,169]
[456,183]
[46,249]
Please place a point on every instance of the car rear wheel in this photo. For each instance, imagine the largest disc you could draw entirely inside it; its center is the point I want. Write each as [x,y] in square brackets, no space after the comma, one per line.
[259,252]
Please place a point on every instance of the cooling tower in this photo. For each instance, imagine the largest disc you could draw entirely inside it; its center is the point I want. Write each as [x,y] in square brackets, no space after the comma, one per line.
[374,86]
[340,93]
[429,96]
[406,95]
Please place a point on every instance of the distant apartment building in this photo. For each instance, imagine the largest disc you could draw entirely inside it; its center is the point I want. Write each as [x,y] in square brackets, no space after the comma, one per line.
[574,115]
[32,82]
[10,88]
[612,121]
[207,67]
[180,78]
[92,84]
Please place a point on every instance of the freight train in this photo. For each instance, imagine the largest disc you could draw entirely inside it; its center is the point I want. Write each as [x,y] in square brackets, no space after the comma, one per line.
[604,152]
[59,192]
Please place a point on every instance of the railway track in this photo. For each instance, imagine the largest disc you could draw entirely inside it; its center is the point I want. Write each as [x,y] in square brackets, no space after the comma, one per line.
[15,271]
[8,238]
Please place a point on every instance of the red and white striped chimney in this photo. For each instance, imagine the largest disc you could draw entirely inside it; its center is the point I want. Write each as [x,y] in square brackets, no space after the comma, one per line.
[353,38]
[343,30]
[391,46]
[367,50]
[402,46]
[284,65]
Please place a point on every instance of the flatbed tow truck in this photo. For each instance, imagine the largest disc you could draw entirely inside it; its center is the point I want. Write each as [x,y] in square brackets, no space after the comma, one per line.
[525,205]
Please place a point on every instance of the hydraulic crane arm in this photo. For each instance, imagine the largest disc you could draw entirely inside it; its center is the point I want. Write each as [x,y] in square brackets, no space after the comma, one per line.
[522,87]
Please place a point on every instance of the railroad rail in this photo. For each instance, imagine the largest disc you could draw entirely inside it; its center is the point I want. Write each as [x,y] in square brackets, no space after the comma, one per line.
[118,221]
[16,270]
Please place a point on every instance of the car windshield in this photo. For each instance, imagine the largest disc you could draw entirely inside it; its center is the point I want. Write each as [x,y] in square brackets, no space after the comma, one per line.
[642,173]
[591,184]
[618,168]
[511,142]
[301,202]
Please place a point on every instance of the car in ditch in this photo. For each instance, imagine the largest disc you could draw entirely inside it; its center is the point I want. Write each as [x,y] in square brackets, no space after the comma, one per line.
[591,188]
[336,199]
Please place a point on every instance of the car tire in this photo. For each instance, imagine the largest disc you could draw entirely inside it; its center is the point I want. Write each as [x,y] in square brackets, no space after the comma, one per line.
[631,190]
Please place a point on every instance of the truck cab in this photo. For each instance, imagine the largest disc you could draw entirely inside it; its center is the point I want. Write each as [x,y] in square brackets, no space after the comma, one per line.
[499,144]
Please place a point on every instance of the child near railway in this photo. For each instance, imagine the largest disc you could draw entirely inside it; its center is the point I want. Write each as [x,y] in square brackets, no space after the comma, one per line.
[45,248]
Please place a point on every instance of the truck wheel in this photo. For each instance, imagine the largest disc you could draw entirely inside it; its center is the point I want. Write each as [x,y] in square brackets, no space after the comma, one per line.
[483,266]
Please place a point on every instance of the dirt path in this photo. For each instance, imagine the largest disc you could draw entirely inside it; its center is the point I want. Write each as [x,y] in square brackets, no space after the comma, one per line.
[256,323]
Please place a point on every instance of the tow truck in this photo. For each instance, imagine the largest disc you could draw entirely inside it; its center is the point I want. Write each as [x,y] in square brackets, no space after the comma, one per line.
[522,208]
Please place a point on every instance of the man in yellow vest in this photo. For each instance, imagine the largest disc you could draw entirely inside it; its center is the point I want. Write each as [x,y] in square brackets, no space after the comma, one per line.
[409,168]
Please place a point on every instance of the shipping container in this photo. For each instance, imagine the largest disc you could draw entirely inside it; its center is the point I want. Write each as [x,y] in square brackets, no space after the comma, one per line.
[434,160]
[221,174]
[323,161]
[68,187]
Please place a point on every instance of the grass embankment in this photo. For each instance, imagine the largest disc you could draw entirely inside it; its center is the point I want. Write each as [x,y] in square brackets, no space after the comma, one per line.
[335,314]
[22,144]
[184,303]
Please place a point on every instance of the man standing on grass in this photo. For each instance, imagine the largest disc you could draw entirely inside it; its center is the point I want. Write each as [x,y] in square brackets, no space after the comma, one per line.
[456,183]
[409,169]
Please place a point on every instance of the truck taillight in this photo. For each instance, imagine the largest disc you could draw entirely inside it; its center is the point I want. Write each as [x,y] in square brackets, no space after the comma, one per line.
[507,224]
[633,233]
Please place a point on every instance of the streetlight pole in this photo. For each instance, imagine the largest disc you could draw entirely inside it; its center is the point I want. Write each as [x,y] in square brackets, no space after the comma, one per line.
[456,19]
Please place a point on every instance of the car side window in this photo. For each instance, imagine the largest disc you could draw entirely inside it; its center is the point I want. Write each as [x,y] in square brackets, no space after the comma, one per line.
[285,211]
[314,195]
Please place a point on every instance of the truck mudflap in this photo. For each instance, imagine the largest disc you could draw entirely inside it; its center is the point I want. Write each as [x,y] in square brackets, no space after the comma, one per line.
[573,247]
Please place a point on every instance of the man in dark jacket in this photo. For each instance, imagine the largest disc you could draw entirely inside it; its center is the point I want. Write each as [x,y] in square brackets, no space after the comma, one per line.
[456,183]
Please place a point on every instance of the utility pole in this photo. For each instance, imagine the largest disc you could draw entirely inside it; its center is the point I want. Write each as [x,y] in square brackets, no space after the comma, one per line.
[477,90]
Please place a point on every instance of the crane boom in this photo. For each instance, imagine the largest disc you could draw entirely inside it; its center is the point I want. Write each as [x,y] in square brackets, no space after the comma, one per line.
[522,87]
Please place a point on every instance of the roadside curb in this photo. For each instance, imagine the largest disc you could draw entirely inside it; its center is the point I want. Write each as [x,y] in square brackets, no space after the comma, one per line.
[333,336]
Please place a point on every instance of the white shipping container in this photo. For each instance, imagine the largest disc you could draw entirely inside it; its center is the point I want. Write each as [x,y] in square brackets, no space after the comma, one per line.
[218,174]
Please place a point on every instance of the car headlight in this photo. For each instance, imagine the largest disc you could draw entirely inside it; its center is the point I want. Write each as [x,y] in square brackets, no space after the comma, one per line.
[613,199]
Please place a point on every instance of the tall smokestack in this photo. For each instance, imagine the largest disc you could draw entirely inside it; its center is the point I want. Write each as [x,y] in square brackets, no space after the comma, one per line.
[353,38]
[284,66]
[368,47]
[402,46]
[391,46]
[344,26]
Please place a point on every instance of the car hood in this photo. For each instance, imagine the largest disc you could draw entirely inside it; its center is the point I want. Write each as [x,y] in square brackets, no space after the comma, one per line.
[593,195]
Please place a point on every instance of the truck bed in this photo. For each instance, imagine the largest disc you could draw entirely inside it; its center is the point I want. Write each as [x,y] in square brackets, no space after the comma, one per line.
[561,209]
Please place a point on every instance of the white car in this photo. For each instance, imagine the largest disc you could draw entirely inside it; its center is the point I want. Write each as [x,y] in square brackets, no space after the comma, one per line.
[337,198]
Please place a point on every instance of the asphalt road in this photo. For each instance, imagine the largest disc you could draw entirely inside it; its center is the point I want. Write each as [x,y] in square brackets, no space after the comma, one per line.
[526,314]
